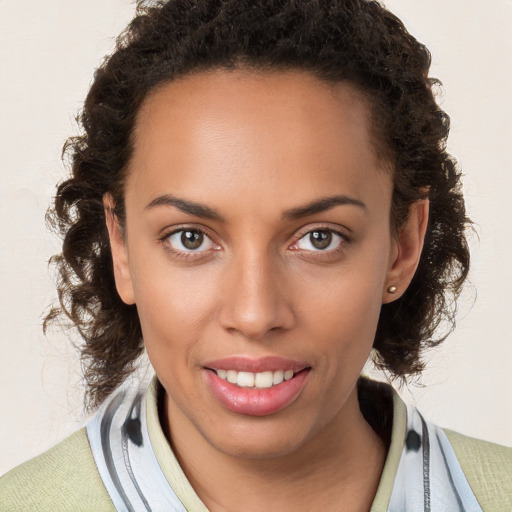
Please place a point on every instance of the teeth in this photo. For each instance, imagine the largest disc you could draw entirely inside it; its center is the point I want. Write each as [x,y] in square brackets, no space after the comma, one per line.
[263,380]
[288,374]
[260,380]
[245,379]
[278,377]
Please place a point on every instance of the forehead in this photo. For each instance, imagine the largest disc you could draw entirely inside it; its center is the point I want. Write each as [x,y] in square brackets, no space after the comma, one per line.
[237,95]
[220,129]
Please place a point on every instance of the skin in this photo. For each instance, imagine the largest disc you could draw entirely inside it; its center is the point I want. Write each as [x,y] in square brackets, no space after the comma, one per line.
[252,146]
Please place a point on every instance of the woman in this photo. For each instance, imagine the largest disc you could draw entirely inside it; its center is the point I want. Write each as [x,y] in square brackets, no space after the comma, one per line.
[261,196]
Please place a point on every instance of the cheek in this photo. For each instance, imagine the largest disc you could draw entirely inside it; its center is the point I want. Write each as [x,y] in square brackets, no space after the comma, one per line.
[343,307]
[346,321]
[174,311]
[173,304]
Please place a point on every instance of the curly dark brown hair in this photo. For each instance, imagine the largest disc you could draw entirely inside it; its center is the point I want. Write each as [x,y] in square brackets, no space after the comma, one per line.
[354,41]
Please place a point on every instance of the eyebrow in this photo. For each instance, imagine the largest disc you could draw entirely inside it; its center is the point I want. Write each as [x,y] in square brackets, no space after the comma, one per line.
[190,207]
[200,210]
[321,205]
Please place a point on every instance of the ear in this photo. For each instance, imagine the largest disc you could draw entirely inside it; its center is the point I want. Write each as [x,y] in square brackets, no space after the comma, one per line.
[122,273]
[406,253]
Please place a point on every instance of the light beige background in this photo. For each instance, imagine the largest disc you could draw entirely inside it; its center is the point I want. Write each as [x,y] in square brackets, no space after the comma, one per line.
[48,50]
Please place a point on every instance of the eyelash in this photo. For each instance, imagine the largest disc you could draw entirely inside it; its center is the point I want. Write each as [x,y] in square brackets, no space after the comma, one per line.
[344,239]
[190,254]
[184,254]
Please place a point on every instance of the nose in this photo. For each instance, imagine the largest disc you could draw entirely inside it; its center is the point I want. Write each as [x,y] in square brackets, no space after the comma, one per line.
[255,300]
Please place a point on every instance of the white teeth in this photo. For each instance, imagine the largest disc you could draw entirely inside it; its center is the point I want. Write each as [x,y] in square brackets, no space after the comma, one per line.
[260,380]
[245,379]
[263,380]
[278,377]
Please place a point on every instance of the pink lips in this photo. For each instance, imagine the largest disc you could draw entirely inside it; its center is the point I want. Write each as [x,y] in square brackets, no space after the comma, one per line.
[255,401]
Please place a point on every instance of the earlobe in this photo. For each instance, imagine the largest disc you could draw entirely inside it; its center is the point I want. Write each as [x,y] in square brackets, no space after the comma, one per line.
[122,273]
[407,251]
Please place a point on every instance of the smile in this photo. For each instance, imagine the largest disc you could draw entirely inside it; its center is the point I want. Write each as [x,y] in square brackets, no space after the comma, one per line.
[256,387]
[260,380]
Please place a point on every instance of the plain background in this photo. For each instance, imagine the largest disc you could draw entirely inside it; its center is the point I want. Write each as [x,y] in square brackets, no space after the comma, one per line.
[48,51]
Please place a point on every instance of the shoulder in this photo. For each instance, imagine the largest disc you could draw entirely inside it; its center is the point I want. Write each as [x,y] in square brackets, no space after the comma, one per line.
[62,479]
[488,469]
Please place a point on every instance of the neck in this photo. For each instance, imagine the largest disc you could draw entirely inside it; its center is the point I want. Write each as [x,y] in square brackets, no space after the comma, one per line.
[340,466]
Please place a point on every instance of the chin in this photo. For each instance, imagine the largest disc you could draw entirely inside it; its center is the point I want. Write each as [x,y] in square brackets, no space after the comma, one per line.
[263,438]
[259,449]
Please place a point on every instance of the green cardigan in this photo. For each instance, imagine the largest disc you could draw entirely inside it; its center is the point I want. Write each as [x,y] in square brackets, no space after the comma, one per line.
[65,478]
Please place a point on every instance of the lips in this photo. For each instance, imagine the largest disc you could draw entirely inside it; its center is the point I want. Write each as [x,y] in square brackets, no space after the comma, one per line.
[256,387]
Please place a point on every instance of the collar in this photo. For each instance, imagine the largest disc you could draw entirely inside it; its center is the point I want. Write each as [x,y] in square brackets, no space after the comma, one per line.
[140,471]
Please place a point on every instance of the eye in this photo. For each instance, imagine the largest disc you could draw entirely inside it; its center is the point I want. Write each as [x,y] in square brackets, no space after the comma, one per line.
[320,240]
[190,240]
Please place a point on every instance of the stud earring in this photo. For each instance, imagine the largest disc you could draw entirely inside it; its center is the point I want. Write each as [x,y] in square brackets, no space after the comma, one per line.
[392,289]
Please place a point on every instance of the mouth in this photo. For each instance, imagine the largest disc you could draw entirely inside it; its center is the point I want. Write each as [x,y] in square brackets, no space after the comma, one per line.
[256,387]
[259,380]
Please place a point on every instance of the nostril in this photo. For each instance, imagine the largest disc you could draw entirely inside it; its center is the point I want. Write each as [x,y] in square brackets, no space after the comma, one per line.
[253,302]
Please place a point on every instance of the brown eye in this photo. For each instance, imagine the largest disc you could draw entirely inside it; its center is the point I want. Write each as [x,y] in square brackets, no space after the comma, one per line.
[320,239]
[190,240]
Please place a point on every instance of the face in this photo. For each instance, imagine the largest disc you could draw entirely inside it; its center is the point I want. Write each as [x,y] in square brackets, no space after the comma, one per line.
[258,251]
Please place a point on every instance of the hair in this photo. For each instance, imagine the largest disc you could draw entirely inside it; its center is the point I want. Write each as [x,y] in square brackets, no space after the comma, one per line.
[354,41]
